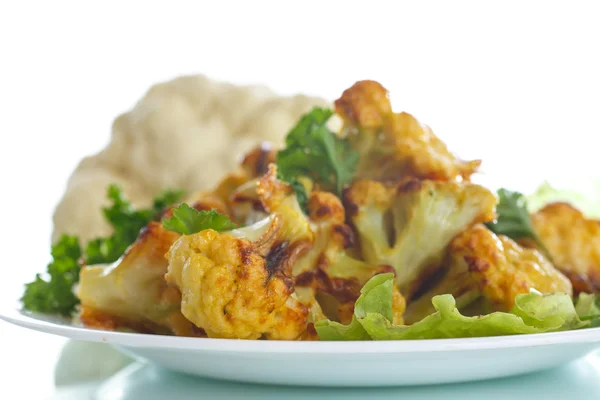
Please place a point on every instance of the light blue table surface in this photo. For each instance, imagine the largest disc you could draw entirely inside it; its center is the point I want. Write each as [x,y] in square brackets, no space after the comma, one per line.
[579,380]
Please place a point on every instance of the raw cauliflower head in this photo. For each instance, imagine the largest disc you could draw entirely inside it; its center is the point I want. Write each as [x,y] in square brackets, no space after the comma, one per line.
[186,133]
[409,225]
[394,145]
[485,272]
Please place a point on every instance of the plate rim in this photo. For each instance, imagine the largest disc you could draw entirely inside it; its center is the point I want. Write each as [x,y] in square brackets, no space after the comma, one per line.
[30,321]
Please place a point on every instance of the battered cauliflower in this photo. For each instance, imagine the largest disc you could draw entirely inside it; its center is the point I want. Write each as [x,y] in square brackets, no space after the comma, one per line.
[175,134]
[394,145]
[485,272]
[409,225]
[132,292]
[573,242]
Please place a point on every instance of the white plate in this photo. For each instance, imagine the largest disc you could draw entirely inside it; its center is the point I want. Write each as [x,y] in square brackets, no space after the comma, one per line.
[388,363]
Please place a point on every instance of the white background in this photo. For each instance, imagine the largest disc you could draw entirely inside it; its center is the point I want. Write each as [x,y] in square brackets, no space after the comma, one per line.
[512,82]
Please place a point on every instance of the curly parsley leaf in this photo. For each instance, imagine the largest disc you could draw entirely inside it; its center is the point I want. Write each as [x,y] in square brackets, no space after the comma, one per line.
[105,250]
[124,218]
[314,151]
[126,222]
[54,293]
[513,219]
[165,199]
[187,220]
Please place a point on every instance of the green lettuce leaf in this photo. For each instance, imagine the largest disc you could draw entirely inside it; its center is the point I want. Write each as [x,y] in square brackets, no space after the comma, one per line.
[532,313]
[587,199]
[588,306]
[373,298]
[331,330]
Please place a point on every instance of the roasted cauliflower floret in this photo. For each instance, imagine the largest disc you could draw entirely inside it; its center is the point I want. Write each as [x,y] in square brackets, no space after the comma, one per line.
[236,194]
[332,267]
[394,145]
[239,284]
[132,292]
[485,272]
[231,290]
[573,242]
[409,225]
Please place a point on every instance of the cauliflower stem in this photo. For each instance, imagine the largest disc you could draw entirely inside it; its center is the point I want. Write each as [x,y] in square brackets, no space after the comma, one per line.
[408,225]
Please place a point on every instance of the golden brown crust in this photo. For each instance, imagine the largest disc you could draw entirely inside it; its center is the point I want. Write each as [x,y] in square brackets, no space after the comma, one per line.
[178,325]
[271,190]
[231,291]
[310,334]
[236,194]
[133,293]
[153,242]
[344,290]
[573,242]
[394,145]
[409,224]
[257,160]
[365,191]
[99,320]
[502,269]
[323,206]
[366,104]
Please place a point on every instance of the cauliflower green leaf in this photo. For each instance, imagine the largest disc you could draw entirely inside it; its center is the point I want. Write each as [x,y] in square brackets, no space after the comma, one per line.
[54,293]
[313,150]
[187,220]
[532,313]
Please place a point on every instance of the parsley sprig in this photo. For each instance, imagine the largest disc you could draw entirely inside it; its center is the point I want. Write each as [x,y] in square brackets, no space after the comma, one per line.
[513,219]
[126,222]
[314,151]
[53,291]
[187,220]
